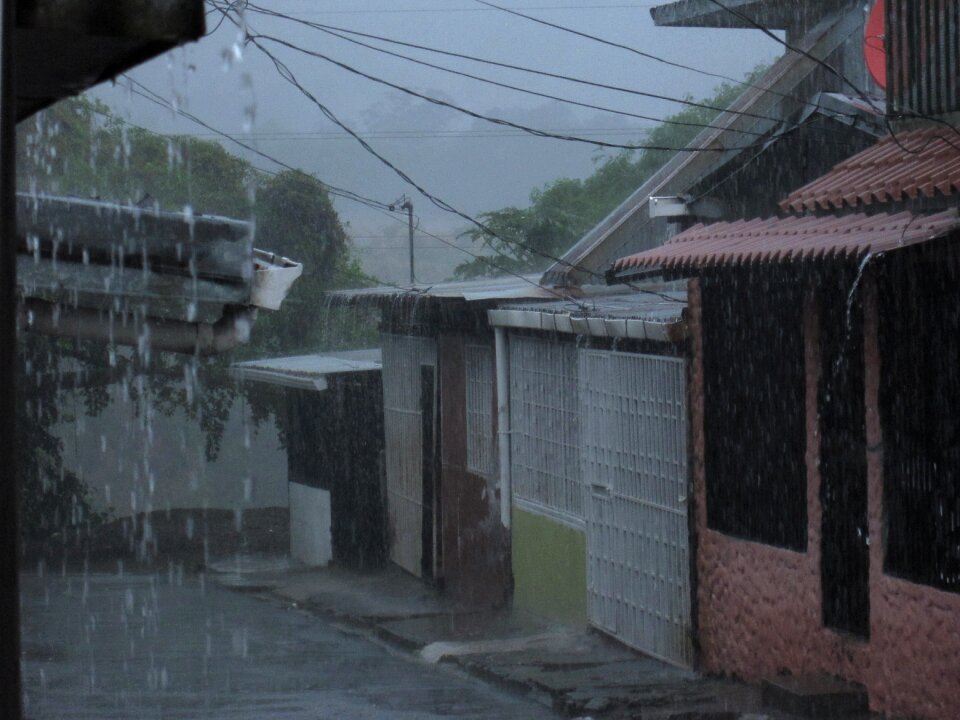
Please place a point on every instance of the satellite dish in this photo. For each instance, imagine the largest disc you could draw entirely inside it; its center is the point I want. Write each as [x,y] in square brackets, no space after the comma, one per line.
[875,44]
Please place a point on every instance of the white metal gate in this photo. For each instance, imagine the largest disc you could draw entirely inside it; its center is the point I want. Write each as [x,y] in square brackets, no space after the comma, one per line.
[633,412]
[403,358]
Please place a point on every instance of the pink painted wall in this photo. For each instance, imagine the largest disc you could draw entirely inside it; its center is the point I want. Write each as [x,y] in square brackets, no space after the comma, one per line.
[760,607]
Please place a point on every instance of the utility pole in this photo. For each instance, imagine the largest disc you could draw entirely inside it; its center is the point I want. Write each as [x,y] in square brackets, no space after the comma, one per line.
[10,701]
[408,206]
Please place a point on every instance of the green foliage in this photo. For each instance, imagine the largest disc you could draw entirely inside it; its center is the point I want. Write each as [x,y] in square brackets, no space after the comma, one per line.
[563,211]
[295,218]
[52,499]
[78,147]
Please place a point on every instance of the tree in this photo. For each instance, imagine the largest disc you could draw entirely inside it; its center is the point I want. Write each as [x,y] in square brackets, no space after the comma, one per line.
[563,211]
[296,218]
[78,147]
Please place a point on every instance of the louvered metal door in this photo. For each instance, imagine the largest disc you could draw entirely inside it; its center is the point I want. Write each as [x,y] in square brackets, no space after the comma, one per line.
[633,412]
[403,358]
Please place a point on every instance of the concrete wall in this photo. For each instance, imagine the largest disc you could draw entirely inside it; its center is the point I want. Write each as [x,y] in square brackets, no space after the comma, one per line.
[759,607]
[549,568]
[310,541]
[134,462]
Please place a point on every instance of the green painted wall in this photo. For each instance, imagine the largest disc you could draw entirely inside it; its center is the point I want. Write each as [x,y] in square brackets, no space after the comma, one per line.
[549,568]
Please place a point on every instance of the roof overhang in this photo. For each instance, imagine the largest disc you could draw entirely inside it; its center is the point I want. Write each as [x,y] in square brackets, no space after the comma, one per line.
[63,47]
[771,14]
[656,316]
[917,165]
[790,240]
[86,265]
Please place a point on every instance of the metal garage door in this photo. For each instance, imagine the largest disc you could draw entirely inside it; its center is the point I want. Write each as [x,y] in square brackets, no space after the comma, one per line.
[404,360]
[633,413]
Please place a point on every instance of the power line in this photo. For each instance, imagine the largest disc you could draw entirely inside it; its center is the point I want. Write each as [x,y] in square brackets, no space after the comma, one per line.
[509,66]
[288,75]
[635,51]
[637,6]
[157,99]
[255,37]
[424,134]
[496,83]
[335,31]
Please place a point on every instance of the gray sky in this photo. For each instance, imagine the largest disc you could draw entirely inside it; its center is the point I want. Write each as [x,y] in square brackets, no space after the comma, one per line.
[472,164]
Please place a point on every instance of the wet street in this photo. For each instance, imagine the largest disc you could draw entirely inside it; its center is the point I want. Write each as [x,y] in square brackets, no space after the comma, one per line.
[167,646]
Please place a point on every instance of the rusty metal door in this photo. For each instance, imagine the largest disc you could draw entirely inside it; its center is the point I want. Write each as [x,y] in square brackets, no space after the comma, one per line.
[403,359]
[633,412]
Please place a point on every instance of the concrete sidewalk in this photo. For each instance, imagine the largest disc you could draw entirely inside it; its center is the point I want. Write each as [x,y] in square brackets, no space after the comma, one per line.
[576,671]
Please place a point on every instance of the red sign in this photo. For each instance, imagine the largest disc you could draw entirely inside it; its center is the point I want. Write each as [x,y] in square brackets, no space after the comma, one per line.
[875,44]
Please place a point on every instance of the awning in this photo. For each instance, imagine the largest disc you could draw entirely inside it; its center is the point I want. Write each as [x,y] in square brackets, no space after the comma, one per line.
[791,239]
[307,372]
[918,164]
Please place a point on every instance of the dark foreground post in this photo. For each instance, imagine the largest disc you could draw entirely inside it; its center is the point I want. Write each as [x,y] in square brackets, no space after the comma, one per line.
[9,534]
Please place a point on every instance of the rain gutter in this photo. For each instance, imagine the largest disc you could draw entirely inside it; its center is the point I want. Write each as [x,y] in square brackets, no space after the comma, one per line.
[502,348]
[232,329]
[576,323]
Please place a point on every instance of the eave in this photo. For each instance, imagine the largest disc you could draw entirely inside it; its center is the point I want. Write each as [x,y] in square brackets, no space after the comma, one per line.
[63,47]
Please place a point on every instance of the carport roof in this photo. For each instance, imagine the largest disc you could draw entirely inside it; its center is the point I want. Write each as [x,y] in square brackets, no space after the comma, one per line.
[307,372]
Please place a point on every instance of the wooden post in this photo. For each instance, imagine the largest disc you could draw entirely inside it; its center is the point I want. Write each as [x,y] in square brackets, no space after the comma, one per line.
[10,699]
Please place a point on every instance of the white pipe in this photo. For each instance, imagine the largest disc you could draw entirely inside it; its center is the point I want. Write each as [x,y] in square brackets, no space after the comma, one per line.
[170,335]
[502,348]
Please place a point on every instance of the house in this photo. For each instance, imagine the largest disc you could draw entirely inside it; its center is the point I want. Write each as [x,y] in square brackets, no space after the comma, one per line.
[596,458]
[440,431]
[747,159]
[332,426]
[598,406]
[823,429]
[823,409]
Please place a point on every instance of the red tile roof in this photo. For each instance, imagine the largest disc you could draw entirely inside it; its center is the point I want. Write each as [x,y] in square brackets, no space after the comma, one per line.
[778,240]
[918,163]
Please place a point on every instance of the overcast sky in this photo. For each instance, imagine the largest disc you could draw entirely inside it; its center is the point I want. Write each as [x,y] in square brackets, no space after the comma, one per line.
[470,163]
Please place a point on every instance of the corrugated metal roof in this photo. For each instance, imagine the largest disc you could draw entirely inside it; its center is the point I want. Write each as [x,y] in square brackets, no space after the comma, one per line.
[307,372]
[912,164]
[779,240]
[654,315]
[498,288]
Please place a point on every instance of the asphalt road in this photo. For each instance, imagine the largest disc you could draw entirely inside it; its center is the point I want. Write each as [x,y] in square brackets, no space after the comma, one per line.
[165,646]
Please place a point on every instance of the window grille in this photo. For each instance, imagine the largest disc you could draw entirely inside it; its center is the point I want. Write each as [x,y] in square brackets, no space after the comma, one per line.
[480,440]
[545,426]
[919,397]
[754,409]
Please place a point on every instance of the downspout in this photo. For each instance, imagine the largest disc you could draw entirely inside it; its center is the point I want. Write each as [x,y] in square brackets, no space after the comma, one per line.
[168,335]
[502,347]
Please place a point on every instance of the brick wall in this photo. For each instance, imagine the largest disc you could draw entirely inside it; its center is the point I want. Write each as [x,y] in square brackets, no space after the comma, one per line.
[760,606]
